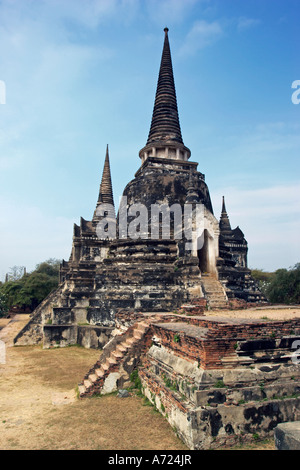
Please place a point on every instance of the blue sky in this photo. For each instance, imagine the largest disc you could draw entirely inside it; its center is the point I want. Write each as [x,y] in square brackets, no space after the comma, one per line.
[82,74]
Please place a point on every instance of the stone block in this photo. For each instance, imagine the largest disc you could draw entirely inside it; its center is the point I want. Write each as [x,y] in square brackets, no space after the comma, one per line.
[62,315]
[287,436]
[94,337]
[59,335]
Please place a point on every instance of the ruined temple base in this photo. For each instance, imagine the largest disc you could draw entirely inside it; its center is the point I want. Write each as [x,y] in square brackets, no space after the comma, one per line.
[218,381]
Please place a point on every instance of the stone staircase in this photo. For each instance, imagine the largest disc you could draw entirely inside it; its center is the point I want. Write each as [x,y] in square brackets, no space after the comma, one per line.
[118,360]
[213,292]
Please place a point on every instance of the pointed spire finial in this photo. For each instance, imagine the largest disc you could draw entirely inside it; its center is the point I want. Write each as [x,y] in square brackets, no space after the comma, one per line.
[165,126]
[224,219]
[164,138]
[106,190]
[223,204]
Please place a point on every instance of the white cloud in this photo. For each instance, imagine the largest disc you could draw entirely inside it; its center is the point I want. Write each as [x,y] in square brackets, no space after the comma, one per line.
[266,150]
[270,220]
[95,12]
[244,23]
[202,34]
[169,11]
[30,236]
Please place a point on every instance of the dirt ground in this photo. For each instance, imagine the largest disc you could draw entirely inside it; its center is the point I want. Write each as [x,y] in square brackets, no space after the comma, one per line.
[39,409]
[280,312]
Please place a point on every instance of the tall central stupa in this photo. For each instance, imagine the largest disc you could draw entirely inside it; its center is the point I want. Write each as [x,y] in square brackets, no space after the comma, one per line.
[149,272]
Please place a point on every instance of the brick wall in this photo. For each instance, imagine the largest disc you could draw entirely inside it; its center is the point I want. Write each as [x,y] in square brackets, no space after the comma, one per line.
[220,338]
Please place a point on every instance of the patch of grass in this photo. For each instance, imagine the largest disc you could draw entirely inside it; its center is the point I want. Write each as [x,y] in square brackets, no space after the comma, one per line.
[137,384]
[168,383]
[219,384]
[147,402]
[256,444]
[176,338]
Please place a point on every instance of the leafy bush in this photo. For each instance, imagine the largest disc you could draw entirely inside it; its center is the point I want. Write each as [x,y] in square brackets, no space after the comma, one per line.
[281,286]
[285,286]
[28,290]
[3,304]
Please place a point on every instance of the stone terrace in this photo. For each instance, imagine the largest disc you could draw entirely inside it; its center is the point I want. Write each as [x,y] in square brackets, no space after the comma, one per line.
[219,381]
[216,380]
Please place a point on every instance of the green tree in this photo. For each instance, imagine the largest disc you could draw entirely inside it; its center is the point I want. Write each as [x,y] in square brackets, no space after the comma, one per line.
[35,288]
[263,278]
[3,303]
[261,275]
[49,267]
[285,286]
[29,290]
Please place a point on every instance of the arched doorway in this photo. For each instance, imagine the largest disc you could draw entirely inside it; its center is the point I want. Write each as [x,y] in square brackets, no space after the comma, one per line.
[206,253]
[203,252]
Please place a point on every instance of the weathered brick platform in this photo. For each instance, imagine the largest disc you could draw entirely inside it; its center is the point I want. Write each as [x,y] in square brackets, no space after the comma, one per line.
[217,381]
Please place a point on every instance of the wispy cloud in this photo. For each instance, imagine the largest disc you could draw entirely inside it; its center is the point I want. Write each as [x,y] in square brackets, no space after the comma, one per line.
[30,236]
[244,23]
[170,11]
[202,34]
[90,13]
[270,220]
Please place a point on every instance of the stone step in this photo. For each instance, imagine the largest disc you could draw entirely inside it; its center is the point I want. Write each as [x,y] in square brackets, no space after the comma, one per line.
[81,389]
[111,361]
[129,341]
[87,383]
[142,326]
[93,378]
[214,291]
[117,354]
[217,306]
[99,372]
[216,297]
[121,347]
[212,285]
[217,301]
[138,335]
[105,367]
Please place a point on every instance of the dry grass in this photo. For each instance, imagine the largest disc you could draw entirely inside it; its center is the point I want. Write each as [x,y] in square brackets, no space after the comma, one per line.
[39,408]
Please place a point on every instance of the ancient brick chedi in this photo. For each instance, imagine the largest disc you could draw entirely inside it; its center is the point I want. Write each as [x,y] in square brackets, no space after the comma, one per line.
[151,272]
[140,293]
